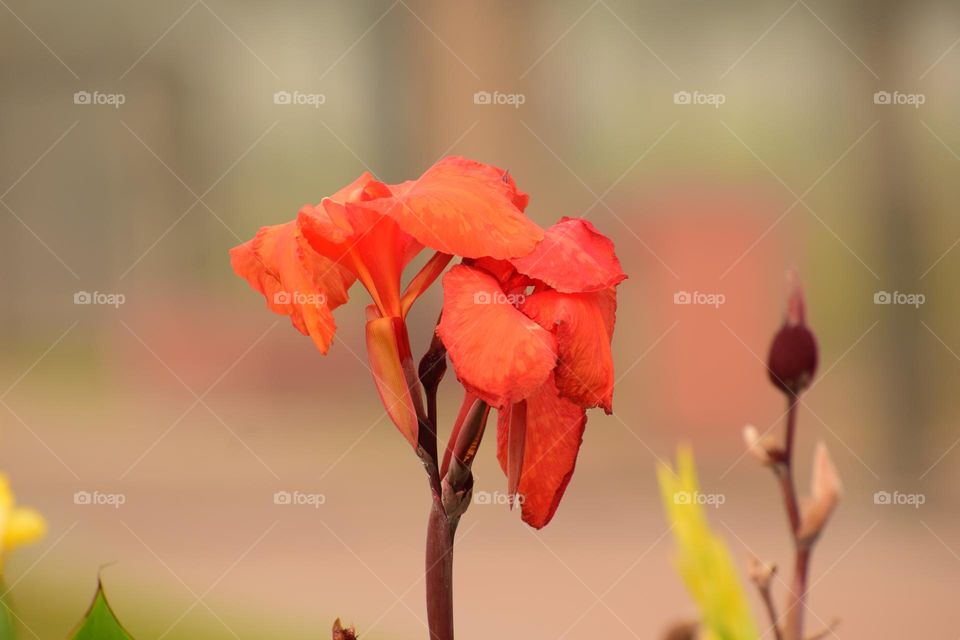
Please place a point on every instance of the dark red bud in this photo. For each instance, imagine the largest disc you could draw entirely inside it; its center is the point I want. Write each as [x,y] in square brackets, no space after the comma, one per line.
[793,354]
[339,633]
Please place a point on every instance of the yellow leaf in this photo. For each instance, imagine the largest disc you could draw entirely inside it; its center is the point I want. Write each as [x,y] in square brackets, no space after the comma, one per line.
[703,559]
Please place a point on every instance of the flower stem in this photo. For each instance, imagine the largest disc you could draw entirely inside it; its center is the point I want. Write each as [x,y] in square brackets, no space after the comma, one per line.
[439,572]
[793,625]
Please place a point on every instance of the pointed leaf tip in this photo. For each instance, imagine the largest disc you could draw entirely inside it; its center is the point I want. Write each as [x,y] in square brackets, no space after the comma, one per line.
[100,622]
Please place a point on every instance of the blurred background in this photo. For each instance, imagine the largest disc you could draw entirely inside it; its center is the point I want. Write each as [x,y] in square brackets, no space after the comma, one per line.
[718,144]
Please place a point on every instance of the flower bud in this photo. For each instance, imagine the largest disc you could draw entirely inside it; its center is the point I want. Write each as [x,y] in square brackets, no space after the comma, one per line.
[793,354]
[683,631]
[761,573]
[763,448]
[339,633]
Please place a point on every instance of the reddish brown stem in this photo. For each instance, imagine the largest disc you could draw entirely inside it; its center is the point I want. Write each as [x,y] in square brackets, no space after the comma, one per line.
[793,625]
[439,572]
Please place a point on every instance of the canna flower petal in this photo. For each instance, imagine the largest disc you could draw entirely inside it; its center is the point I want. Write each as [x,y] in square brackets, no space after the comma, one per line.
[497,352]
[512,438]
[554,431]
[392,366]
[573,257]
[361,239]
[583,325]
[295,280]
[464,208]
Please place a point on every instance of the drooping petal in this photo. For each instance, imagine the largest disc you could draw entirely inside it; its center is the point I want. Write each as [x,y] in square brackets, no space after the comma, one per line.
[554,431]
[497,352]
[583,325]
[387,349]
[295,280]
[573,257]
[511,440]
[464,208]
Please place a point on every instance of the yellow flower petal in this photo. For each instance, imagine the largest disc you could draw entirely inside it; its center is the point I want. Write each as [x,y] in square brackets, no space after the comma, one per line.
[23,526]
[6,495]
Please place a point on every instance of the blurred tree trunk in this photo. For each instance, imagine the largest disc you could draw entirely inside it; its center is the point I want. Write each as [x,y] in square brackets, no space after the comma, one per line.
[899,217]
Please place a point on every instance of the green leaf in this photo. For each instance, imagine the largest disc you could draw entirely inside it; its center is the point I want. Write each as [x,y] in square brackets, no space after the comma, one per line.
[8,628]
[100,623]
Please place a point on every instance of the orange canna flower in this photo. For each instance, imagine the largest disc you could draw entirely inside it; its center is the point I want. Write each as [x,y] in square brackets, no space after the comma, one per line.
[531,337]
[370,231]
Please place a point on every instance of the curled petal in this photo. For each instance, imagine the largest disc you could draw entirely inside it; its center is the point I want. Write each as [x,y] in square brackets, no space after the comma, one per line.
[497,352]
[554,431]
[583,326]
[392,366]
[364,188]
[295,280]
[370,244]
[464,208]
[573,257]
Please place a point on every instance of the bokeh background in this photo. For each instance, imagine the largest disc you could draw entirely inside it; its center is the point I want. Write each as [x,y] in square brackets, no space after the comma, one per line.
[196,405]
